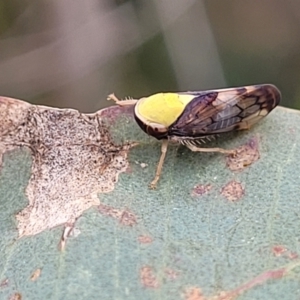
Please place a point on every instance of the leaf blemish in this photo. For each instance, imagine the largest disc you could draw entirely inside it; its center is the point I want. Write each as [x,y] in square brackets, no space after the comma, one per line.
[245,156]
[193,293]
[4,283]
[281,250]
[233,191]
[145,239]
[125,216]
[201,189]
[148,278]
[73,160]
[278,250]
[36,274]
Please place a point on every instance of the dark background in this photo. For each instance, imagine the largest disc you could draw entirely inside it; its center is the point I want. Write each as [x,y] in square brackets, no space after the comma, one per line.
[68,53]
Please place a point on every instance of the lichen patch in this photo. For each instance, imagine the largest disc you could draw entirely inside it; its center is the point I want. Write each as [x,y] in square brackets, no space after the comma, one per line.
[73,159]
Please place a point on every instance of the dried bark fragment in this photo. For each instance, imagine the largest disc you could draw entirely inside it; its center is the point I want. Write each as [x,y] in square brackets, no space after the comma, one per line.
[73,159]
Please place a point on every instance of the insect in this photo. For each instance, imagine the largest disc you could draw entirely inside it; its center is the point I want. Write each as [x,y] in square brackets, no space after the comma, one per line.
[191,117]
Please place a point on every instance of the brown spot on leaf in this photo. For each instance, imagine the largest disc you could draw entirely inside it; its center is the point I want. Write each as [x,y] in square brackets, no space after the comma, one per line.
[278,250]
[292,255]
[15,296]
[35,275]
[233,191]
[4,283]
[128,218]
[201,189]
[125,217]
[145,239]
[171,274]
[148,279]
[73,160]
[193,293]
[245,156]
[259,280]
[129,170]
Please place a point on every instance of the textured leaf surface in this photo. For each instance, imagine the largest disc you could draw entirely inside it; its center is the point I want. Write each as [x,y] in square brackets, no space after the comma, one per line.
[207,232]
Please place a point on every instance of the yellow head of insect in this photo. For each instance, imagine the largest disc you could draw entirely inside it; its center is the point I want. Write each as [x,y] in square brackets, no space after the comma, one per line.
[156,113]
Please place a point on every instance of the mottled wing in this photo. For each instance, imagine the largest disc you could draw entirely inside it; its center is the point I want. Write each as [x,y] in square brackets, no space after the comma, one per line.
[217,111]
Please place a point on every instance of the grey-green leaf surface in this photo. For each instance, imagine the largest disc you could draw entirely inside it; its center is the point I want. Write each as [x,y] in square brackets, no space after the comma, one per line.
[184,240]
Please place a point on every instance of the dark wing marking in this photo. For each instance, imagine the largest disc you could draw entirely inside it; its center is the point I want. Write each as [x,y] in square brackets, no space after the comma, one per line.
[218,111]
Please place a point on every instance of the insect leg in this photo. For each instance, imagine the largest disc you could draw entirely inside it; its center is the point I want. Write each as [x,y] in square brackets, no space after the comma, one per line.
[164,147]
[121,102]
[196,149]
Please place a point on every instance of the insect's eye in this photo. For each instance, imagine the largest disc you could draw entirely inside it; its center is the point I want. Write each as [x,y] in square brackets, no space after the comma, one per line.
[157,130]
[157,127]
